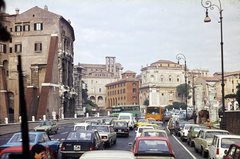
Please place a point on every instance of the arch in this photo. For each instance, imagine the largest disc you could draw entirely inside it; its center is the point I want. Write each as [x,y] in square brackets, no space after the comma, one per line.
[93,99]
[100,99]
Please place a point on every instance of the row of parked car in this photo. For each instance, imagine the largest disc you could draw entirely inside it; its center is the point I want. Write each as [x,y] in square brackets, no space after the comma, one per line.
[212,143]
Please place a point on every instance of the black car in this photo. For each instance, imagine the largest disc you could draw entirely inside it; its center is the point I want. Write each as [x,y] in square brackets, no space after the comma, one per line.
[121,127]
[78,142]
[178,126]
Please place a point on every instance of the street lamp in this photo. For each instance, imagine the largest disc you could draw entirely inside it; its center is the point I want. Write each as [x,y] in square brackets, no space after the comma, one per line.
[209,4]
[182,57]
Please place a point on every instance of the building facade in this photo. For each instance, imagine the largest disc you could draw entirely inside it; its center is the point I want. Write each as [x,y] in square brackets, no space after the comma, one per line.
[45,42]
[124,91]
[96,76]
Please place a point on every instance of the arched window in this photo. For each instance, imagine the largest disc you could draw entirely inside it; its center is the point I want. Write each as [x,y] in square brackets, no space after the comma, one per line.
[162,78]
[178,79]
[170,78]
[152,78]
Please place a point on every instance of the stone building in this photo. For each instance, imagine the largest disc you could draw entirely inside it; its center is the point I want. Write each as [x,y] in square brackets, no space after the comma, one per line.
[96,76]
[159,82]
[124,91]
[45,42]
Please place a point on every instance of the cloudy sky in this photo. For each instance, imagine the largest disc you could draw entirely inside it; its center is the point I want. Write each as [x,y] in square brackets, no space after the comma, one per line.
[140,32]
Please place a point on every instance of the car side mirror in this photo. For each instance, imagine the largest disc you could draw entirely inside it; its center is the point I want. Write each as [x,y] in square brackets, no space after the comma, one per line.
[225,152]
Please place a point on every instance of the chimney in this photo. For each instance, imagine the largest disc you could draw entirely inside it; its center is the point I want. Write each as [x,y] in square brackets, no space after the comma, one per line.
[69,21]
[17,11]
[46,7]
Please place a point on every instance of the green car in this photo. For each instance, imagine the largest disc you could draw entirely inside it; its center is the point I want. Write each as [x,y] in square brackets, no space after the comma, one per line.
[47,126]
[193,132]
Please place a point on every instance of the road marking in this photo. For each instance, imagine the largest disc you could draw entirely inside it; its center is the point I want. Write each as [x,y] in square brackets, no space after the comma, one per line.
[64,133]
[62,139]
[183,146]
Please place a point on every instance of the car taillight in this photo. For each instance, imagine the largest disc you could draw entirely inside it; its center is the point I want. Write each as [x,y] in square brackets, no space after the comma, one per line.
[183,133]
[104,137]
[63,148]
[217,151]
[194,137]
[125,130]
[114,129]
[91,148]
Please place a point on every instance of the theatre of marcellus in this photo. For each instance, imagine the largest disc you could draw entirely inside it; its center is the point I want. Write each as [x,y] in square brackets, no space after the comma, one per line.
[45,42]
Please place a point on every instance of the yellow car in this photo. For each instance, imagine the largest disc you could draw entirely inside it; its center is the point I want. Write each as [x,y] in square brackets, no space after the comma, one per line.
[142,121]
[154,133]
[151,120]
[155,126]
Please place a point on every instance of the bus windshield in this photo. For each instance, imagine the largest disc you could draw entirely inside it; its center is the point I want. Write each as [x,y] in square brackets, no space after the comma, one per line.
[153,110]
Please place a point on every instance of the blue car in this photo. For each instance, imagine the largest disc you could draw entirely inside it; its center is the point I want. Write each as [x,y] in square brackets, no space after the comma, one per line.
[34,138]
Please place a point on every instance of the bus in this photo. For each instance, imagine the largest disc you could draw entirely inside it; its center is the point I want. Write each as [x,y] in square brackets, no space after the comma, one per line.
[134,109]
[154,112]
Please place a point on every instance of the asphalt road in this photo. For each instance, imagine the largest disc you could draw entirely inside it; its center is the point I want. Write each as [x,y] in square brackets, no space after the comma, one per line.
[181,149]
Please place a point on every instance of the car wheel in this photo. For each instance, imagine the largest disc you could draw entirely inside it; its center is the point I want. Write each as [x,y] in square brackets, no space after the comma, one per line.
[204,154]
[191,144]
[56,131]
[195,149]
[115,141]
[182,139]
[188,142]
[110,143]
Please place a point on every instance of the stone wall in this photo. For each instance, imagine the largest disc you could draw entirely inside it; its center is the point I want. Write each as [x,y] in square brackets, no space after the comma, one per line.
[233,121]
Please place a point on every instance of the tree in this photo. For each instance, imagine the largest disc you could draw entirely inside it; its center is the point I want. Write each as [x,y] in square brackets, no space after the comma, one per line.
[176,105]
[238,93]
[182,90]
[146,102]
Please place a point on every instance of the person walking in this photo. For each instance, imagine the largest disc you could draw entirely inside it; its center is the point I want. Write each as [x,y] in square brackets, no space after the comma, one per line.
[209,124]
[37,152]
[163,119]
[194,117]
[57,116]
[170,126]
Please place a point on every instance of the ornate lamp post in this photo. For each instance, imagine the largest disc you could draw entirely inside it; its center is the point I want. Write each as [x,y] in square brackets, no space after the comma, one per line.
[209,4]
[182,57]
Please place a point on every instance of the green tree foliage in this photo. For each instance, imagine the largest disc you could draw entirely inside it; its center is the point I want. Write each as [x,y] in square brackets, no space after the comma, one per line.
[146,102]
[182,90]
[230,96]
[238,93]
[90,103]
[176,105]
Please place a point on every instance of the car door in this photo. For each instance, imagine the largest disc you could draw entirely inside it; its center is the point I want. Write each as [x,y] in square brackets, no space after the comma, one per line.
[113,134]
[231,152]
[213,147]
[197,140]
[50,143]
[98,142]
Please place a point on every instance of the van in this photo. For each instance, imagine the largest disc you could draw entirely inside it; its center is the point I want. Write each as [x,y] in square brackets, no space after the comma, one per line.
[128,117]
[81,126]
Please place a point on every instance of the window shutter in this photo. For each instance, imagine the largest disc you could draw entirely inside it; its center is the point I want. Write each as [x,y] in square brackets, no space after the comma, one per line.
[20,47]
[34,26]
[28,27]
[40,46]
[24,28]
[4,48]
[35,47]
[20,28]
[10,50]
[41,26]
[15,28]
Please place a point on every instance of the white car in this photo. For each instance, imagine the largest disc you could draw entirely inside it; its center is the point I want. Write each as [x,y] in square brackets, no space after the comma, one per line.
[128,117]
[184,131]
[221,143]
[140,129]
[81,126]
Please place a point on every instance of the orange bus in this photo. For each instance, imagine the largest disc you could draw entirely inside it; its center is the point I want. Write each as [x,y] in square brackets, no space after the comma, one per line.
[153,112]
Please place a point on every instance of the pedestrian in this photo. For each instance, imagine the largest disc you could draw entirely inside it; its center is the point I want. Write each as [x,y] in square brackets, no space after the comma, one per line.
[170,126]
[57,116]
[209,124]
[194,117]
[163,119]
[37,152]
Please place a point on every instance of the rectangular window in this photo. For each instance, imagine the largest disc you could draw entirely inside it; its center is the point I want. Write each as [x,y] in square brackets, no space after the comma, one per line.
[10,29]
[92,90]
[26,28]
[100,90]
[18,28]
[10,40]
[134,97]
[134,90]
[2,48]
[38,26]
[18,48]
[10,49]
[232,90]
[91,81]
[38,47]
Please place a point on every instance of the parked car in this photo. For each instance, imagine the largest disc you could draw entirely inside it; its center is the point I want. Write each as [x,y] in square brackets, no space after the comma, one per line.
[151,120]
[160,124]
[142,121]
[233,152]
[128,117]
[192,133]
[220,144]
[14,150]
[81,126]
[154,133]
[178,126]
[47,126]
[184,131]
[107,154]
[34,138]
[92,122]
[78,142]
[106,133]
[204,139]
[121,127]
[140,129]
[155,147]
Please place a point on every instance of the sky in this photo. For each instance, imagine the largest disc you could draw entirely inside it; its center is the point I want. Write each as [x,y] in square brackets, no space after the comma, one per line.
[141,32]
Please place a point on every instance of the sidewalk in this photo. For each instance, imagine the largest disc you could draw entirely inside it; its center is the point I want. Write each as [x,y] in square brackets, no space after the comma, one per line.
[16,127]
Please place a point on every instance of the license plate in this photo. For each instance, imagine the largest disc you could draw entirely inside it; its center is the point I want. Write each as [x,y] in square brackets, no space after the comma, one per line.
[77,147]
[120,130]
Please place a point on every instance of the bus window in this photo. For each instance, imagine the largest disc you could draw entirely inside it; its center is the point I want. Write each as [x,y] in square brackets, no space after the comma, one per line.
[153,110]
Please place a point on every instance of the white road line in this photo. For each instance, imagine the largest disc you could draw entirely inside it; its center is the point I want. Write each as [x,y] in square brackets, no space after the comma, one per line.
[183,146]
[64,133]
[62,139]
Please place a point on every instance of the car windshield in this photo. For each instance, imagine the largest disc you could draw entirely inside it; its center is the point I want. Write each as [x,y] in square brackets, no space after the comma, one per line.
[100,128]
[107,120]
[80,128]
[142,121]
[79,136]
[182,124]
[157,134]
[226,142]
[141,129]
[197,129]
[18,138]
[187,127]
[124,117]
[153,145]
[210,134]
[119,124]
[44,123]
[92,122]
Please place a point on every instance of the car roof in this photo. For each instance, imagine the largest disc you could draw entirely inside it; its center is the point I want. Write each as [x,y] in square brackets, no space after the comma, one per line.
[236,144]
[79,124]
[17,148]
[153,130]
[101,125]
[31,132]
[216,130]
[152,138]
[120,120]
[228,136]
[91,131]
[108,154]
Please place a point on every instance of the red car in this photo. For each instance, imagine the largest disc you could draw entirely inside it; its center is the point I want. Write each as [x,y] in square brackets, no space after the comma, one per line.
[18,150]
[233,152]
[152,147]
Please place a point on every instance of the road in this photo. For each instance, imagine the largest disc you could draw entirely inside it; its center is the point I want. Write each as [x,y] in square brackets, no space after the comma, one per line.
[181,149]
